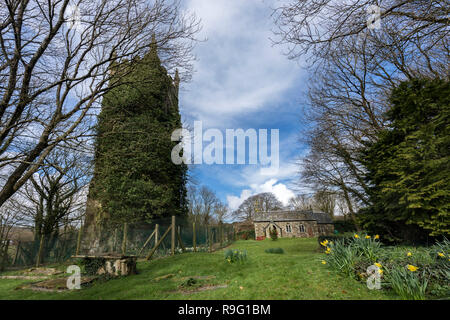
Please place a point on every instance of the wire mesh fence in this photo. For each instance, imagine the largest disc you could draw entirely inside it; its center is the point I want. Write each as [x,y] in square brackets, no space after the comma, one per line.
[41,250]
[155,239]
[159,238]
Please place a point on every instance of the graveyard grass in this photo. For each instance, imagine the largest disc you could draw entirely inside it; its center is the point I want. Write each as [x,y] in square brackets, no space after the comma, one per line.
[296,274]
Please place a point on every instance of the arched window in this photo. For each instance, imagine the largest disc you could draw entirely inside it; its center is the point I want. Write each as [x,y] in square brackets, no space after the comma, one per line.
[302,228]
[288,228]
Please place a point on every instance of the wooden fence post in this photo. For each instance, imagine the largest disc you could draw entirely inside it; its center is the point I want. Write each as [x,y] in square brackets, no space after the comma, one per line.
[210,239]
[156,234]
[124,240]
[41,247]
[114,240]
[146,242]
[221,234]
[178,233]
[180,241]
[159,242]
[194,242]
[77,251]
[173,235]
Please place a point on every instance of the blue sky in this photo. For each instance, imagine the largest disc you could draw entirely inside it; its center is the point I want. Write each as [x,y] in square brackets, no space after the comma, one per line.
[242,81]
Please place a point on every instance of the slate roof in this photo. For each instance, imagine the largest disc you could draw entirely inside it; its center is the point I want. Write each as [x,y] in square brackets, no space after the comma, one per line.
[284,215]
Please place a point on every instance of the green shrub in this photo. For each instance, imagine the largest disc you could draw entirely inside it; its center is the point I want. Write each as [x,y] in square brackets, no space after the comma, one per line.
[275,250]
[273,234]
[344,226]
[235,255]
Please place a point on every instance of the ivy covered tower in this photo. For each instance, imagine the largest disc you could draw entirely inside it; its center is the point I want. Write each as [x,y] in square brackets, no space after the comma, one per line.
[134,178]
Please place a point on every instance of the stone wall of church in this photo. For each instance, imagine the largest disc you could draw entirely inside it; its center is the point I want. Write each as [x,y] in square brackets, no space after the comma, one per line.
[288,229]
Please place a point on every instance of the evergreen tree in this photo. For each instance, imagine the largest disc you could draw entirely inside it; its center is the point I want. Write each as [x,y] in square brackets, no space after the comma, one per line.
[134,178]
[408,167]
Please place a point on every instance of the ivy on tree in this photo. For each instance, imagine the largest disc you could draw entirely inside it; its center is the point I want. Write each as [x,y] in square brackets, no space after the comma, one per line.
[134,178]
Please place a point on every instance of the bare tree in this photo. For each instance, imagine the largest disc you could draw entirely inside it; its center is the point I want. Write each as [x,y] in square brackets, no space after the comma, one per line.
[253,205]
[311,26]
[9,219]
[52,202]
[300,202]
[321,200]
[221,212]
[56,194]
[353,68]
[202,204]
[54,69]
[325,201]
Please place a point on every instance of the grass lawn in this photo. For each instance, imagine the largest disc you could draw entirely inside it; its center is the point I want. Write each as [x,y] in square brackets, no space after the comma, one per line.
[296,274]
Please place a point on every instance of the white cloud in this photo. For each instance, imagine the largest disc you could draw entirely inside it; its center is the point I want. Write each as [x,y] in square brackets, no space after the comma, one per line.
[238,70]
[280,190]
[234,202]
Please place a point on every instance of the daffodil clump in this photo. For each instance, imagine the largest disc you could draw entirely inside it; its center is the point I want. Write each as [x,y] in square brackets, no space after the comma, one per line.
[367,245]
[413,273]
[235,255]
[408,282]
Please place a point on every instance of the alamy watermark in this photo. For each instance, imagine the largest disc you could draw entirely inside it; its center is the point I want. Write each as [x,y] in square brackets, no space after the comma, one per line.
[374,19]
[191,149]
[73,17]
[74,281]
[374,277]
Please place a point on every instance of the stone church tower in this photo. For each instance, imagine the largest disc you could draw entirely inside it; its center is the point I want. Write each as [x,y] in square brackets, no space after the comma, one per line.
[151,113]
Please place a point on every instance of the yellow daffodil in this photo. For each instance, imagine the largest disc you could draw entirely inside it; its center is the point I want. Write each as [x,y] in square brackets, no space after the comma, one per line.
[409,254]
[377,237]
[440,254]
[328,250]
[378,264]
[412,268]
[356,236]
[324,262]
[367,237]
[324,243]
[380,271]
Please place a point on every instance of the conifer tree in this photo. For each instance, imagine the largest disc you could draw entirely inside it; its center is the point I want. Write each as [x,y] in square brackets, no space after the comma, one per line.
[409,166]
